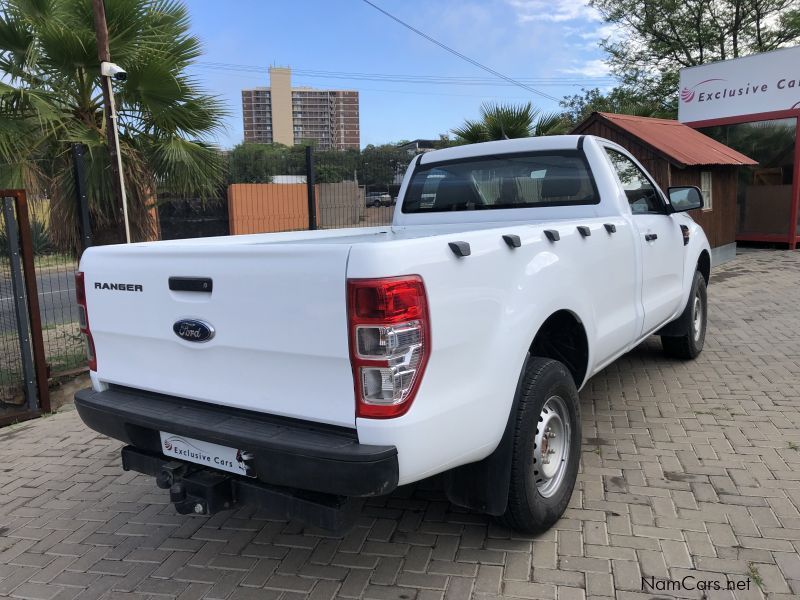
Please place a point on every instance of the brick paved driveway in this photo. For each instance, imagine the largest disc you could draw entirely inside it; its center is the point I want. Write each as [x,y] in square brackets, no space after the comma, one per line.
[688,468]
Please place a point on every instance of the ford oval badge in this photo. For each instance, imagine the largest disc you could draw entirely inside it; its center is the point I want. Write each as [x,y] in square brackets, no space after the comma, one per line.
[193,330]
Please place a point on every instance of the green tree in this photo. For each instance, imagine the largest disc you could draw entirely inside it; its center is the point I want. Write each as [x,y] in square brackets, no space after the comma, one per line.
[335,166]
[656,38]
[50,98]
[381,166]
[259,163]
[499,121]
[619,100]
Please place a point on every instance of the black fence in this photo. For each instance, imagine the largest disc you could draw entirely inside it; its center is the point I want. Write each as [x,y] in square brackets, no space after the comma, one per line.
[192,218]
[358,189]
[55,288]
[12,394]
[24,389]
[275,188]
[63,342]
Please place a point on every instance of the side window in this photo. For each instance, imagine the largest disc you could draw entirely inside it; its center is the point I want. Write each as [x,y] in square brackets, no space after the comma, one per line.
[642,195]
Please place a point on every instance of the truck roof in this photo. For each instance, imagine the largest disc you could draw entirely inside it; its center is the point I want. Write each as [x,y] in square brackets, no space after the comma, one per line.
[529,144]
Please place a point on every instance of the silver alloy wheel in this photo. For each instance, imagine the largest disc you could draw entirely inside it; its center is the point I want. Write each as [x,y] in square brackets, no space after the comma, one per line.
[697,322]
[552,445]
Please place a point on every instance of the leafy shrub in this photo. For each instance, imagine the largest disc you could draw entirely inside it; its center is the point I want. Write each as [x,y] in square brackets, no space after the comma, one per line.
[40,239]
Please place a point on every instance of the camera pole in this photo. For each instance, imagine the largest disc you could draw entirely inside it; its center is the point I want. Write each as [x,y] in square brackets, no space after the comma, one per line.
[112,133]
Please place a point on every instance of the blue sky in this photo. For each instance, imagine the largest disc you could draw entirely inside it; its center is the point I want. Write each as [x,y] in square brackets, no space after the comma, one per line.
[552,41]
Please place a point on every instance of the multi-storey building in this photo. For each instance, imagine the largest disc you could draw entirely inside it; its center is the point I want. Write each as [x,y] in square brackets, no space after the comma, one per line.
[286,115]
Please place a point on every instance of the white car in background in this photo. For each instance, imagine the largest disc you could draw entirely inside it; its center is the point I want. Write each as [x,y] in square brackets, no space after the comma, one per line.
[379,199]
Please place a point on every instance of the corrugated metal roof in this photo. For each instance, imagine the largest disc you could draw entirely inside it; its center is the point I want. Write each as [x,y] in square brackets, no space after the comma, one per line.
[680,143]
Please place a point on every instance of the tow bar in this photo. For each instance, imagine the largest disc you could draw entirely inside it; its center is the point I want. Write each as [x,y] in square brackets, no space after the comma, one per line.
[194,489]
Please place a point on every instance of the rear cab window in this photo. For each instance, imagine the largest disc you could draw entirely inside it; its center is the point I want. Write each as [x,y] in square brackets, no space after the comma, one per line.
[551,178]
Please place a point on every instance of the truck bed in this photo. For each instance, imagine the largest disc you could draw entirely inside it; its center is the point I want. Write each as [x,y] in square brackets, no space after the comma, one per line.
[277,307]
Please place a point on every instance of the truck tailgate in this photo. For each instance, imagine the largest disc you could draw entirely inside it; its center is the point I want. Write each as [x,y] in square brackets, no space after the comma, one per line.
[279,316]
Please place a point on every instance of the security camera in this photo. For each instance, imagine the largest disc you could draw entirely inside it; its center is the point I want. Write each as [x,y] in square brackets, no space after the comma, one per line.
[108,69]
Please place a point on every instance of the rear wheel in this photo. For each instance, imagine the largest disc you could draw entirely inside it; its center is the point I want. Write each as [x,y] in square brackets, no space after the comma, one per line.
[690,344]
[546,447]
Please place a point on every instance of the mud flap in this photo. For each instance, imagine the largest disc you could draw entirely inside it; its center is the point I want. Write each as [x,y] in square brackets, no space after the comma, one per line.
[483,485]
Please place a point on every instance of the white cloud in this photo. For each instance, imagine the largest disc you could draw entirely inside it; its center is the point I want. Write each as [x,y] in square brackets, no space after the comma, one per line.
[601,32]
[591,68]
[554,10]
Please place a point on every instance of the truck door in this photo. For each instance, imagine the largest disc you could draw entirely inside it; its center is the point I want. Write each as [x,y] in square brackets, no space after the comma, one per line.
[660,242]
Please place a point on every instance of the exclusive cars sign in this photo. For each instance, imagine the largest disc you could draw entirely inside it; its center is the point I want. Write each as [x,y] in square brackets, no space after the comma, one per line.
[760,83]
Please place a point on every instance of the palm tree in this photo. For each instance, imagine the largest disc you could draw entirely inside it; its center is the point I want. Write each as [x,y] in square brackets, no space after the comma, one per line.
[507,121]
[50,98]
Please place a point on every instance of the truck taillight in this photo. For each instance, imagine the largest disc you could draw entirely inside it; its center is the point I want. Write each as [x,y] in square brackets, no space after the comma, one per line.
[83,320]
[389,343]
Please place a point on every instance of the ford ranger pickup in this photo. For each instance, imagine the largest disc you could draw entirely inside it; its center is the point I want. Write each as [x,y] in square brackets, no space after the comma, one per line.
[301,371]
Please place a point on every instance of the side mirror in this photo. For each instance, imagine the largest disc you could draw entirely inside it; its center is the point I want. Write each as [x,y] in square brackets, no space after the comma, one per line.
[685,198]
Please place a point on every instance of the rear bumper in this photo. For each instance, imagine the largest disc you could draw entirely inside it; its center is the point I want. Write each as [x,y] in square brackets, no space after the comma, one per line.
[286,452]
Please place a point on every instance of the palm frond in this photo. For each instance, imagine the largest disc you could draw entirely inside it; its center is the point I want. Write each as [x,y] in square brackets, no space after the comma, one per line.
[471,132]
[50,99]
[551,124]
[508,121]
[186,168]
[499,121]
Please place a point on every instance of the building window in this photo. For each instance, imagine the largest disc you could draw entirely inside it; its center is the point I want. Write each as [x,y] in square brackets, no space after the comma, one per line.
[706,186]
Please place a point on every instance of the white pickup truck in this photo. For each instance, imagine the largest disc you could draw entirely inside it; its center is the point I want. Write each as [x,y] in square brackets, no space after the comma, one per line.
[298,371]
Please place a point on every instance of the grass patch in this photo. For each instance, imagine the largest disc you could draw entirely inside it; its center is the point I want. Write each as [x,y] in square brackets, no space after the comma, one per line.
[10,375]
[63,347]
[46,261]
[66,362]
[793,446]
[752,573]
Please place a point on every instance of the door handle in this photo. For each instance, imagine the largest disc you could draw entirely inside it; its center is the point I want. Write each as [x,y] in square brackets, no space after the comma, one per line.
[650,237]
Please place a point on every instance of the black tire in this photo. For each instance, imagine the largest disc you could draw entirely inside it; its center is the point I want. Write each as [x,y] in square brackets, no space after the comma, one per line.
[690,344]
[535,503]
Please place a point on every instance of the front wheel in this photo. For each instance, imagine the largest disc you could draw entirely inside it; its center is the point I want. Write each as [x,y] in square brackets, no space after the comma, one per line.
[690,344]
[546,447]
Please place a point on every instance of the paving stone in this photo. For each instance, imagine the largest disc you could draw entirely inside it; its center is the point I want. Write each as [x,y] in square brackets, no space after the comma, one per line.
[520,589]
[627,575]
[36,591]
[694,473]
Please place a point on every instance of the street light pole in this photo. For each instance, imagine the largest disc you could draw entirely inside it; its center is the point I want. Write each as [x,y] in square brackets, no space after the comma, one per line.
[112,133]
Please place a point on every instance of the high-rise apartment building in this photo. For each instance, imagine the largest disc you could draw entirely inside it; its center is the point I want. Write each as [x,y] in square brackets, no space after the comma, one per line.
[286,115]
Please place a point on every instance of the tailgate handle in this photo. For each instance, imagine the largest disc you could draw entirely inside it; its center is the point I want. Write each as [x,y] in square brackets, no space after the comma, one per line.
[191,284]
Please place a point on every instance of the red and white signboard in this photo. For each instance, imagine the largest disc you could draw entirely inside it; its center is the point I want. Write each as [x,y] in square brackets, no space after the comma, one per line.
[756,84]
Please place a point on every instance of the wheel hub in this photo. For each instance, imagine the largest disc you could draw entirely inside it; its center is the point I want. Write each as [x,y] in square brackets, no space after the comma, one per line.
[697,322]
[552,445]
